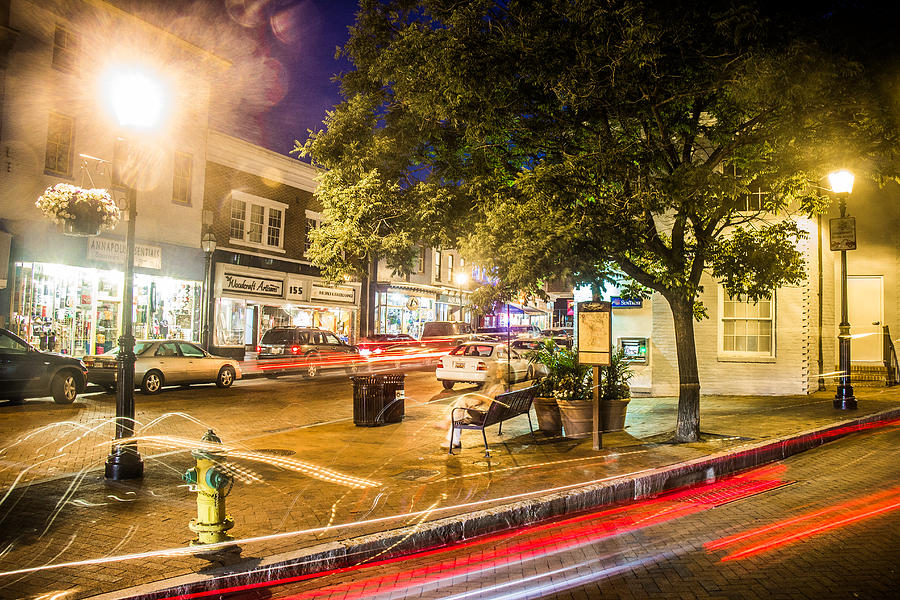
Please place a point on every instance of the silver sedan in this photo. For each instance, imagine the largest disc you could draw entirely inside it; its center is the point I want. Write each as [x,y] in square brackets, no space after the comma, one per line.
[164,362]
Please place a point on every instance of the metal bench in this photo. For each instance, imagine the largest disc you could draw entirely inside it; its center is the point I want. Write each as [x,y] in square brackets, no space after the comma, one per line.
[504,406]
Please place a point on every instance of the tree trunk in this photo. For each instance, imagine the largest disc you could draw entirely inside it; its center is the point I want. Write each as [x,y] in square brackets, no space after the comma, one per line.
[687,427]
[367,298]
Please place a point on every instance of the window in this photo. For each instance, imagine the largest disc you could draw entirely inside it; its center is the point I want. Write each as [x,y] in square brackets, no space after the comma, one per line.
[190,350]
[313,220]
[65,49]
[421,257]
[58,158]
[256,221]
[181,184]
[755,200]
[747,328]
[437,264]
[450,268]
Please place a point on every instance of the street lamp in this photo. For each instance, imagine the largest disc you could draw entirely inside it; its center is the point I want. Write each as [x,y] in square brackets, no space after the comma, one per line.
[843,238]
[138,101]
[208,245]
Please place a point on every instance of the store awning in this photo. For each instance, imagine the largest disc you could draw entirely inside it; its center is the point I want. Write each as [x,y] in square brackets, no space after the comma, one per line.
[520,309]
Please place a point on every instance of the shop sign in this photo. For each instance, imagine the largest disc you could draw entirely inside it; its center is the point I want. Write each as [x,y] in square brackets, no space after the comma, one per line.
[332,294]
[113,251]
[234,282]
[618,302]
[295,289]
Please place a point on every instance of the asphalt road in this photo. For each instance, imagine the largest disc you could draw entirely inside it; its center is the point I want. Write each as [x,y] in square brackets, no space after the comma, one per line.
[823,524]
[52,440]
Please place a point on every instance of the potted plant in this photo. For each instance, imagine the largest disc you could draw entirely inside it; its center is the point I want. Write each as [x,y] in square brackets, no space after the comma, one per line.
[614,391]
[571,385]
[545,406]
[79,211]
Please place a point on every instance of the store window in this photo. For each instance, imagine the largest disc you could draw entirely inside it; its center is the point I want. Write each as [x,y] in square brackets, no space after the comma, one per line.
[58,156]
[65,49]
[746,328]
[78,311]
[231,322]
[181,184]
[257,221]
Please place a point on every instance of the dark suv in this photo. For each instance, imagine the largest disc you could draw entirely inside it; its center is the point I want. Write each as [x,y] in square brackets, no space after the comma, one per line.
[446,334]
[293,350]
[26,372]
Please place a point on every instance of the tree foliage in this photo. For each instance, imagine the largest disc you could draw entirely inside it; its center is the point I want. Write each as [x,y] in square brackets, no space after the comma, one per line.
[585,139]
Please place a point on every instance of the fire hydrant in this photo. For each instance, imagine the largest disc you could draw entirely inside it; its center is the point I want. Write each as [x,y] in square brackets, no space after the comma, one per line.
[212,483]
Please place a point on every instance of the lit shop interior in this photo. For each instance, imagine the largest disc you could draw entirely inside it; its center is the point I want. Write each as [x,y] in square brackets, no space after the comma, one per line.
[78,311]
[242,322]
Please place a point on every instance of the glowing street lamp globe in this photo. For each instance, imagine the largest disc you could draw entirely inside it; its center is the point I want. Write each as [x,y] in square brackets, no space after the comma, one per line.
[841,181]
[136,98]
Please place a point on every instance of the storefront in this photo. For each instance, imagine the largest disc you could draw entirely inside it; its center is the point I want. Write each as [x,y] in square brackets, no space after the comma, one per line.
[517,314]
[77,308]
[406,307]
[251,301]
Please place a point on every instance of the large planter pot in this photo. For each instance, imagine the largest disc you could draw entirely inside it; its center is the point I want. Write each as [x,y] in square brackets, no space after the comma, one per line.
[547,411]
[81,227]
[577,418]
[612,413]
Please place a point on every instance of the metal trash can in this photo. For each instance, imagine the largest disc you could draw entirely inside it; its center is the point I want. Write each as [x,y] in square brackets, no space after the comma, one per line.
[394,397]
[368,400]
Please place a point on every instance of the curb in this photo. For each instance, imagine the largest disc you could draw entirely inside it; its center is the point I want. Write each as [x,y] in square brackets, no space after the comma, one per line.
[449,530]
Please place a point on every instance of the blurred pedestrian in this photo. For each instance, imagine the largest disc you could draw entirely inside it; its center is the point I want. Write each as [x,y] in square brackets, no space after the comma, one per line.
[476,405]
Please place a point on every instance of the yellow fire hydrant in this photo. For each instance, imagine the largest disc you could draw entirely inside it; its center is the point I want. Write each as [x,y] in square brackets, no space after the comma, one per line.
[212,483]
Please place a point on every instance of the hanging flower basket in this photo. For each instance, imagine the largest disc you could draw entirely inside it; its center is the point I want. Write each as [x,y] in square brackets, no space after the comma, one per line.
[79,211]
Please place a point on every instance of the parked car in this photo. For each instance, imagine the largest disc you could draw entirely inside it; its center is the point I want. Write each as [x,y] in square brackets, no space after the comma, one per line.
[477,362]
[306,351]
[446,334]
[526,347]
[160,363]
[514,331]
[376,343]
[563,336]
[26,372]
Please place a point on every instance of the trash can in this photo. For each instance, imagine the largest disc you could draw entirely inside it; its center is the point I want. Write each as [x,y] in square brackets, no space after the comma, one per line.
[368,400]
[394,397]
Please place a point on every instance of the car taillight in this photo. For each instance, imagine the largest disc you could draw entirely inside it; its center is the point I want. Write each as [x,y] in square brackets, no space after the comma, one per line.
[295,349]
[89,363]
[482,366]
[258,349]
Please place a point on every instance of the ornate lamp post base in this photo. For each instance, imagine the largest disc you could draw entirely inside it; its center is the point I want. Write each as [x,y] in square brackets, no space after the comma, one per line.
[124,462]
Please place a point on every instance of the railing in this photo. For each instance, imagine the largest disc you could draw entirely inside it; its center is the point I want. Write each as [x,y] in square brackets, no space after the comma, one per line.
[889,354]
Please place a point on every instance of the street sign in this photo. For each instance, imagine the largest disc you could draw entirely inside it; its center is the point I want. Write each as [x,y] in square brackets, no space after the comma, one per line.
[594,333]
[843,233]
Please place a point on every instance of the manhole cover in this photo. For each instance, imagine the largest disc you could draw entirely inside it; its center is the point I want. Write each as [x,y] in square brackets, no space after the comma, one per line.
[277,451]
[416,474]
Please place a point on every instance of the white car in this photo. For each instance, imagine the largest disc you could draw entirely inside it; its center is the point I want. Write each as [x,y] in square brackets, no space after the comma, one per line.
[477,362]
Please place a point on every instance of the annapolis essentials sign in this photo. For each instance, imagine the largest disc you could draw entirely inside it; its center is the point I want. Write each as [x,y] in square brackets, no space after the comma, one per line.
[113,251]
[235,282]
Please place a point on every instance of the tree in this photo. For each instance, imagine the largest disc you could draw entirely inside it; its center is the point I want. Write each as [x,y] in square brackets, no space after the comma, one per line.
[586,139]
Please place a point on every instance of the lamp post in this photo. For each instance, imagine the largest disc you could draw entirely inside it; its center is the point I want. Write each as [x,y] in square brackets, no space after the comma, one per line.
[843,238]
[208,244]
[137,101]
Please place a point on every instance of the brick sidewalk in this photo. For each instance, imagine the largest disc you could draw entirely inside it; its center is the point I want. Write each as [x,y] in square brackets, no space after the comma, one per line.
[283,505]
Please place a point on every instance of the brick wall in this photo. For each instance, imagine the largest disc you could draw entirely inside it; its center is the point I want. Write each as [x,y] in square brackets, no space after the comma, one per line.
[221,180]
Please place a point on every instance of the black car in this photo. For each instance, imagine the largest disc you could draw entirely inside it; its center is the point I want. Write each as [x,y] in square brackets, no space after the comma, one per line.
[306,351]
[26,372]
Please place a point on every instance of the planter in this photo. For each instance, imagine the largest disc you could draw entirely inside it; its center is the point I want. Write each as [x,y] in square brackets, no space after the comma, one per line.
[547,411]
[577,418]
[81,227]
[612,413]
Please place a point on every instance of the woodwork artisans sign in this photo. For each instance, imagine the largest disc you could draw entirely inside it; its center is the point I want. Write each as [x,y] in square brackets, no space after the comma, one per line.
[843,233]
[234,282]
[594,333]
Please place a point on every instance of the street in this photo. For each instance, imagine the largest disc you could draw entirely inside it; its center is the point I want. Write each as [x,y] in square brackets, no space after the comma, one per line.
[823,524]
